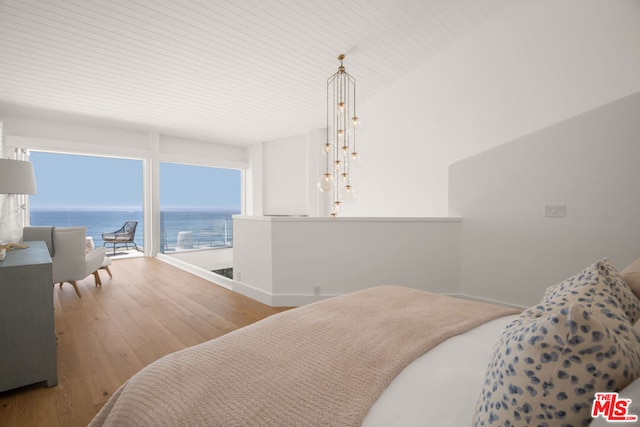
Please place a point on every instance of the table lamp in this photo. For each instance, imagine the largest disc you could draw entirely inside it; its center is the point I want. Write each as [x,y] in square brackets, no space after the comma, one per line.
[16,177]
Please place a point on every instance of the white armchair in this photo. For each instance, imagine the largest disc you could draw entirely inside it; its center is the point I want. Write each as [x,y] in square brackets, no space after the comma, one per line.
[70,263]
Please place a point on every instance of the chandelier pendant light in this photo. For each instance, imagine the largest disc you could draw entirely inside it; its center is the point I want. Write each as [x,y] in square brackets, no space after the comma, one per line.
[340,145]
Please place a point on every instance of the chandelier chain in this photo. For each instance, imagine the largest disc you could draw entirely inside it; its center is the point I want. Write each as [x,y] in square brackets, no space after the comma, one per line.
[339,147]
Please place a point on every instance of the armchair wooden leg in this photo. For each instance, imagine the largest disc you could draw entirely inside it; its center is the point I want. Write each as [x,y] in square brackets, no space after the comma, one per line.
[108,271]
[97,277]
[75,286]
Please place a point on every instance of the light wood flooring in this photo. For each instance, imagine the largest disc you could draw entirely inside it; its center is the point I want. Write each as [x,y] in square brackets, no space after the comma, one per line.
[148,309]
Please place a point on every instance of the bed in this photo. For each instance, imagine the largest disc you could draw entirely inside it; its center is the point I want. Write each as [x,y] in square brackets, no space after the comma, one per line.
[391,355]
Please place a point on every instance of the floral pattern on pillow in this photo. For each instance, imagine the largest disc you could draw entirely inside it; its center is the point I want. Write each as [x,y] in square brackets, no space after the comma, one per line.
[549,362]
[546,368]
[601,271]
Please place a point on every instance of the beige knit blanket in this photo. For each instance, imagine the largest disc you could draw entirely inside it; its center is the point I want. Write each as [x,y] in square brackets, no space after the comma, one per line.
[323,364]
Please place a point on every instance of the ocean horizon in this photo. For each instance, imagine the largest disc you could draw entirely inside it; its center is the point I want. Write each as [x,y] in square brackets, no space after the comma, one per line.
[172,221]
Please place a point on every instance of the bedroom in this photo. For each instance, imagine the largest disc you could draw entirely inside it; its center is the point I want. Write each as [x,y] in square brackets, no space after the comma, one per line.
[532,65]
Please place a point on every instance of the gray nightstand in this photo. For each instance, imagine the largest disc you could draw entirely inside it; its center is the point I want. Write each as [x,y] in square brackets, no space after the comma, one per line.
[27,331]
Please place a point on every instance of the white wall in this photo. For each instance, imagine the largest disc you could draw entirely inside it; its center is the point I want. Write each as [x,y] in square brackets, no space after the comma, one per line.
[180,150]
[510,252]
[292,261]
[283,176]
[534,64]
[81,136]
[284,162]
[253,257]
[66,135]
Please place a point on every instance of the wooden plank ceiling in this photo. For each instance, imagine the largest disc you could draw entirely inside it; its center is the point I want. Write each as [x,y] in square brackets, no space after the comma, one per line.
[233,72]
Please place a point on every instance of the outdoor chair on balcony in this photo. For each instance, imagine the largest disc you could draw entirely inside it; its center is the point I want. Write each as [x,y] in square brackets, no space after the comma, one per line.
[122,237]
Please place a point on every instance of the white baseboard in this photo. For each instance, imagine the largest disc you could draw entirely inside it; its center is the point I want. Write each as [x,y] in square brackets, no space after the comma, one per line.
[286,300]
[240,287]
[283,300]
[200,272]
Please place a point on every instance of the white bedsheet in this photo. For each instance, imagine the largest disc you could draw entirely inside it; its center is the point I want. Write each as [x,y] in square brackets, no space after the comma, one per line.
[441,387]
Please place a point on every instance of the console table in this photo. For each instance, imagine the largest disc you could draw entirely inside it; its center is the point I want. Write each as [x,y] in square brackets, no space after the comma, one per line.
[27,332]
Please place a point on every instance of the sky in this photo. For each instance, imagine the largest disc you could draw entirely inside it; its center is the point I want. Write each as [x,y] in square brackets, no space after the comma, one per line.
[66,181]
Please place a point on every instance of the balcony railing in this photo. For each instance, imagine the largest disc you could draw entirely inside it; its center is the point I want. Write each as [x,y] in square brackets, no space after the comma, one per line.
[191,230]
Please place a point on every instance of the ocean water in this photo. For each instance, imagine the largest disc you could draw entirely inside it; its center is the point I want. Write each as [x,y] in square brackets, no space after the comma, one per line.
[209,228]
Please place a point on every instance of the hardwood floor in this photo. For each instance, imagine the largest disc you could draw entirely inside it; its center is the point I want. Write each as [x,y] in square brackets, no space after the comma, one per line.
[147,310]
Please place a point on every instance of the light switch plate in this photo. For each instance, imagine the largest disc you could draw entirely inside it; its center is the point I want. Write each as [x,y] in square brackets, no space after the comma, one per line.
[555,211]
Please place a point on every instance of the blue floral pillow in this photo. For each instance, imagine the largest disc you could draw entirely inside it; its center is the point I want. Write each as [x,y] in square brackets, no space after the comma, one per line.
[549,362]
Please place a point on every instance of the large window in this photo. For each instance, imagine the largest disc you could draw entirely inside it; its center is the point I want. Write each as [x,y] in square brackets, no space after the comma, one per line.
[100,193]
[196,206]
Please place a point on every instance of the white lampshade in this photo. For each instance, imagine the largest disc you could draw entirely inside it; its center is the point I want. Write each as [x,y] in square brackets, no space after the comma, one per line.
[16,177]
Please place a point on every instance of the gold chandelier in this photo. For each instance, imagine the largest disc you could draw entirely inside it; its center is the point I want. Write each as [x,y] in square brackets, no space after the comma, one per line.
[340,146]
